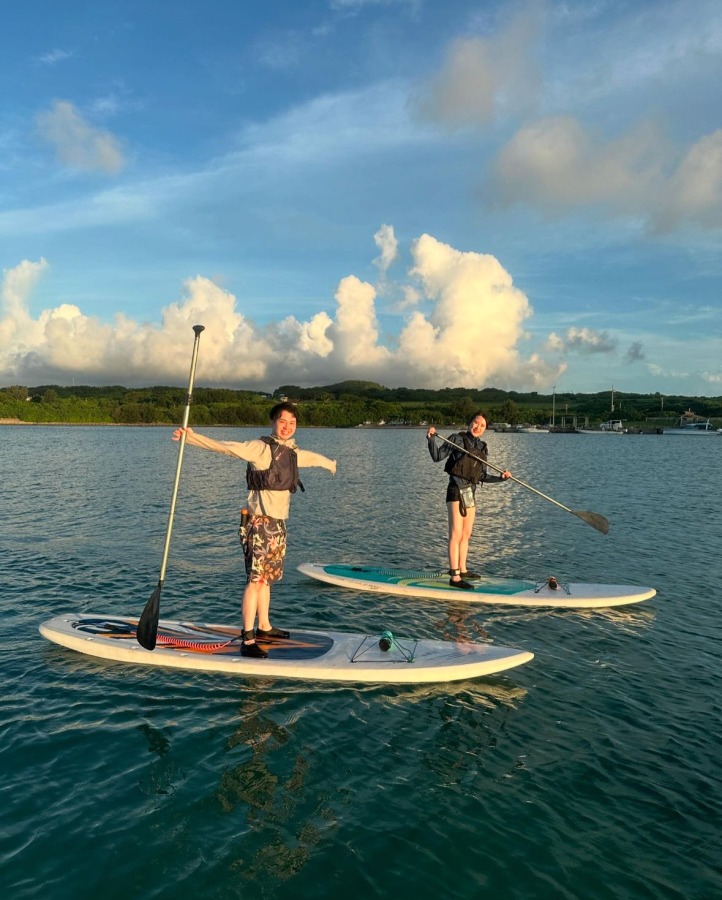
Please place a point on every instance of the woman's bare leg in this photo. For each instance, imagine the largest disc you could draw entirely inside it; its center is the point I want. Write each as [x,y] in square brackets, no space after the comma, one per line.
[466,529]
[456,525]
[460,528]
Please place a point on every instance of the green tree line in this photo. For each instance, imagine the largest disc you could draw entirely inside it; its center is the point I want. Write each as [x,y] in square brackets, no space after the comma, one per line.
[345,404]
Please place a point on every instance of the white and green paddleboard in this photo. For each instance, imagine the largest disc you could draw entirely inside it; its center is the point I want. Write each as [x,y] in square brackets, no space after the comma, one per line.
[382,658]
[487,589]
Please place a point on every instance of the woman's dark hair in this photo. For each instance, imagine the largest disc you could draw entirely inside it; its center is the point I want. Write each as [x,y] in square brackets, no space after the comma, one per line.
[479,412]
[284,407]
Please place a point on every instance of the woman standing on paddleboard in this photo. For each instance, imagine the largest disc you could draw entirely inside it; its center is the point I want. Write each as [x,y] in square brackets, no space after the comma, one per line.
[271,476]
[465,453]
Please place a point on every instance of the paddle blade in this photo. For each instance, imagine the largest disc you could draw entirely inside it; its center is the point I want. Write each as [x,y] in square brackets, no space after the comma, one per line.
[593,519]
[147,630]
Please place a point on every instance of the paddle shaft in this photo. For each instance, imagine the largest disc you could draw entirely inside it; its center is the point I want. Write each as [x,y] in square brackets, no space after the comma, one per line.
[186,413]
[147,630]
[593,519]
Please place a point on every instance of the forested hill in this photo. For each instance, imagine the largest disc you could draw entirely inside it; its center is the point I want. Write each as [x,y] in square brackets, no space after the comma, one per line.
[345,404]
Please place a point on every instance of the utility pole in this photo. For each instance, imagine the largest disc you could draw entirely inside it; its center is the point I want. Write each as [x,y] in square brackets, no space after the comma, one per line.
[554,403]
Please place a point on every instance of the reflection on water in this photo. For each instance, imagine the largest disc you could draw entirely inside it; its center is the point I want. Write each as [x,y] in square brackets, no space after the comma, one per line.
[460,625]
[631,618]
[162,776]
[157,742]
[270,793]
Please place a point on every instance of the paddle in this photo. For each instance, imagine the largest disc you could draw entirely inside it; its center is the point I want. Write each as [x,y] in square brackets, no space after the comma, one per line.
[147,630]
[591,518]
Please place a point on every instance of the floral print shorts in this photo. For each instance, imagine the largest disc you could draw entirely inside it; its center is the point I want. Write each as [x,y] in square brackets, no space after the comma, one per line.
[264,546]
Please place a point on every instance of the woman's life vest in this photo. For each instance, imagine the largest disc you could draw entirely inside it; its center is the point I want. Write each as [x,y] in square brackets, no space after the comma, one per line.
[465,467]
[281,475]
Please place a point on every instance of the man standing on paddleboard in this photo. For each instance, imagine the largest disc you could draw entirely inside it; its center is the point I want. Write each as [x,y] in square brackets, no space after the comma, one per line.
[271,476]
[466,454]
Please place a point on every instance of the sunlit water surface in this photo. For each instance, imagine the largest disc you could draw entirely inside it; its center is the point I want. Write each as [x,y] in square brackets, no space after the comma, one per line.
[591,772]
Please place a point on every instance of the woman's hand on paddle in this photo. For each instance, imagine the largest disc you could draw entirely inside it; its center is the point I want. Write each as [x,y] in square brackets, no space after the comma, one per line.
[430,433]
[178,433]
[506,474]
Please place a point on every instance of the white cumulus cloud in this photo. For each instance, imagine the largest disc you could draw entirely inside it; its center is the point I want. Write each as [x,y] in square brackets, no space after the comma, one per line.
[468,336]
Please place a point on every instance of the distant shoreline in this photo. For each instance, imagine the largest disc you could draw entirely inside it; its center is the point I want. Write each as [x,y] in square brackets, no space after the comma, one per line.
[95,424]
[175,425]
[364,427]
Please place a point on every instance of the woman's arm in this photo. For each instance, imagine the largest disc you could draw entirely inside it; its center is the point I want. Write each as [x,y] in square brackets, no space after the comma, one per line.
[439,449]
[497,479]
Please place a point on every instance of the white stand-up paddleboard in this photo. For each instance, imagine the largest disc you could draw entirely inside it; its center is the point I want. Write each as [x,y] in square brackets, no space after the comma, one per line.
[309,655]
[487,589]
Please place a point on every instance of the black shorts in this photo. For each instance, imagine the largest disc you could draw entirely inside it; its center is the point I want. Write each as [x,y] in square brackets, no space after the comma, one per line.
[453,494]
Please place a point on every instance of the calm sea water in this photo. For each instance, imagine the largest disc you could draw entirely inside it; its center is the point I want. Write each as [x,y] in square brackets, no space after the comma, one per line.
[593,771]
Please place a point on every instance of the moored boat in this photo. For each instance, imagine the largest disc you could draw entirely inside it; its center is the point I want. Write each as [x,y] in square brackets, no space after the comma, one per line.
[613,426]
[694,428]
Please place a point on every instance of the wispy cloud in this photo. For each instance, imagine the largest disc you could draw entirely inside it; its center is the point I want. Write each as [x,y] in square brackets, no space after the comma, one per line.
[712,377]
[558,165]
[77,143]
[635,352]
[484,76]
[361,4]
[297,148]
[118,206]
[586,341]
[667,371]
[53,57]
[282,52]
[343,125]
[385,240]
[119,99]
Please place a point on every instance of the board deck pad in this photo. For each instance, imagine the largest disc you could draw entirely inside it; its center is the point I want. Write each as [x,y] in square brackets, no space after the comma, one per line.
[434,585]
[215,640]
[308,655]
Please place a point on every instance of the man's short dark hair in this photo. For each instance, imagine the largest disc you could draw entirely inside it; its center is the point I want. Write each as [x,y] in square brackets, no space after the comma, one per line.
[284,407]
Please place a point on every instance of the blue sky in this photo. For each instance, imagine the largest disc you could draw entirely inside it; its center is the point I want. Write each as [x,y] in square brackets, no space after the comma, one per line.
[518,195]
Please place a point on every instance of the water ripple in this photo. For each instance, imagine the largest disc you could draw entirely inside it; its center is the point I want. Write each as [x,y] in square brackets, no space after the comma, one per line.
[590,772]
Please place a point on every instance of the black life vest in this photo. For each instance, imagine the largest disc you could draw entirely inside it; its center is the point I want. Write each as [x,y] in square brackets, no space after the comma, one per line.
[281,475]
[464,466]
